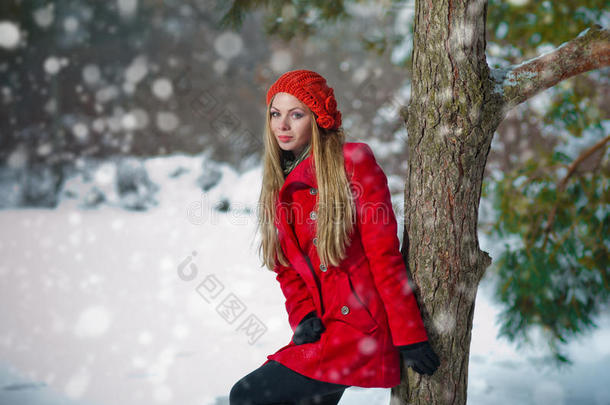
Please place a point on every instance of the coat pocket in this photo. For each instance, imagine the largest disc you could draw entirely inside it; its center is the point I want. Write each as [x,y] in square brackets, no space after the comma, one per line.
[350,308]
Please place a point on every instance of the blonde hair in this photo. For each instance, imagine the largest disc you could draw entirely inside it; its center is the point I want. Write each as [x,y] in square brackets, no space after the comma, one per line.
[335,207]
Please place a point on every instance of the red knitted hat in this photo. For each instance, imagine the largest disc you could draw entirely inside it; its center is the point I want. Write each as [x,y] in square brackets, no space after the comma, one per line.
[312,90]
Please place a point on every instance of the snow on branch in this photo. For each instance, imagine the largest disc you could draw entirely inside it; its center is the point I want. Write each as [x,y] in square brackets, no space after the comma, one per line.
[590,50]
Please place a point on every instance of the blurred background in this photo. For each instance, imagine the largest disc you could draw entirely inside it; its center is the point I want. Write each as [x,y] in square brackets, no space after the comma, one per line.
[130,145]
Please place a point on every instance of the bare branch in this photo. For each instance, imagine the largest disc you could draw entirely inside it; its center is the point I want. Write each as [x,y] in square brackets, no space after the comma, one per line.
[562,185]
[590,50]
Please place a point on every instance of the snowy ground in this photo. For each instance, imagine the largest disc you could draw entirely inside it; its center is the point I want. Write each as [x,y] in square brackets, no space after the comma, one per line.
[94,312]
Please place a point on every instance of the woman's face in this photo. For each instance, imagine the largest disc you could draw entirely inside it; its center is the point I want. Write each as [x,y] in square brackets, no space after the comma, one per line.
[290,122]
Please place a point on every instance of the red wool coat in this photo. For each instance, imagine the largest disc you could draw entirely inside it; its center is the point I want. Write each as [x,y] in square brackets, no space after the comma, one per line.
[365,303]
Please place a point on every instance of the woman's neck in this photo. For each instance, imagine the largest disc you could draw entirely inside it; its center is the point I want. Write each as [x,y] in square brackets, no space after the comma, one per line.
[297,153]
[293,158]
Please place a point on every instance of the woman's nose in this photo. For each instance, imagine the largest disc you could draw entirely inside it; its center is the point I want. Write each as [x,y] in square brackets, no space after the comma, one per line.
[284,123]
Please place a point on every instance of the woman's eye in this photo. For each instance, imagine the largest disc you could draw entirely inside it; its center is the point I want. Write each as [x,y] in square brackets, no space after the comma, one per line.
[296,115]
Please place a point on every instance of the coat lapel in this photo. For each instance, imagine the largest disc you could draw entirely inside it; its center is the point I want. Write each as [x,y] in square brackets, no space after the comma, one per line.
[302,176]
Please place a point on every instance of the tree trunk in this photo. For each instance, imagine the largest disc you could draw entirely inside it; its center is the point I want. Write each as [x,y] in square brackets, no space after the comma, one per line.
[450,130]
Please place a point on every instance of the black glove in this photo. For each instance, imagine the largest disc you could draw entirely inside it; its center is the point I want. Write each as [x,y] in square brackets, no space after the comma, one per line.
[420,357]
[309,329]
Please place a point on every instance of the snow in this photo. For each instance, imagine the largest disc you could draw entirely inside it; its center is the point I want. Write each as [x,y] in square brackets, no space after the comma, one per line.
[502,30]
[541,102]
[220,66]
[80,131]
[141,117]
[404,20]
[573,146]
[77,384]
[127,8]
[162,88]
[18,158]
[518,2]
[44,16]
[52,65]
[137,70]
[129,121]
[91,74]
[228,45]
[95,311]
[360,72]
[444,322]
[281,61]
[70,24]
[167,121]
[106,94]
[9,35]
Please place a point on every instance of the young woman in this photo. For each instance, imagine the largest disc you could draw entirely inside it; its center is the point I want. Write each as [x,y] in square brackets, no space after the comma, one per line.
[330,235]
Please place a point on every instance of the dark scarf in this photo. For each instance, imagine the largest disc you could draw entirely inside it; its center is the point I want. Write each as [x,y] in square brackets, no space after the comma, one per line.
[289,161]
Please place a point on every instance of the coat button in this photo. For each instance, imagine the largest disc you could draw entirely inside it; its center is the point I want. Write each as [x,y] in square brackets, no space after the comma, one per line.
[313,191]
[313,215]
[344,310]
[315,241]
[323,267]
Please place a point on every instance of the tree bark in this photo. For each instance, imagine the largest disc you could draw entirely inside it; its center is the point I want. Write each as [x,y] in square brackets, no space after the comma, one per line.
[454,110]
[450,131]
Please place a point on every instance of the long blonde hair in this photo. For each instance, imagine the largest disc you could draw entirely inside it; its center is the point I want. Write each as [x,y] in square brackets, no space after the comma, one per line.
[335,207]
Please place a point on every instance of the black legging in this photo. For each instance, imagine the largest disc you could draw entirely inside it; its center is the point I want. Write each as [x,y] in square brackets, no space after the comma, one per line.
[274,383]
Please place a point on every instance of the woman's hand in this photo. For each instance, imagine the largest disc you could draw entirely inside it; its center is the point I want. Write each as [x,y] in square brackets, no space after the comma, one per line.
[420,357]
[309,329]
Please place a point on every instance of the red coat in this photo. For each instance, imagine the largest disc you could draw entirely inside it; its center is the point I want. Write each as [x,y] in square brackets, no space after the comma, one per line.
[365,303]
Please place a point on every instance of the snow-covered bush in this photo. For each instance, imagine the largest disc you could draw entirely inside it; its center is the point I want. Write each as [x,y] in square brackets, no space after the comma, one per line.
[37,185]
[135,189]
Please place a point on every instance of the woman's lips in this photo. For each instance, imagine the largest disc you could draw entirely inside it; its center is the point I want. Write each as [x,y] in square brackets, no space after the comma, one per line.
[284,138]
